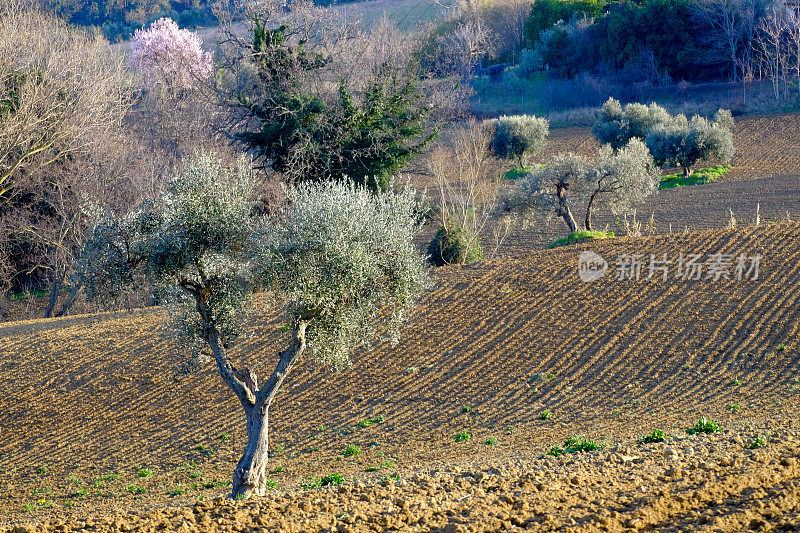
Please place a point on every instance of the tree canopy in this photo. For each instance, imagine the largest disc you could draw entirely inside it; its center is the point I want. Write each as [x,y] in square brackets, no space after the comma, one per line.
[570,183]
[332,260]
[298,129]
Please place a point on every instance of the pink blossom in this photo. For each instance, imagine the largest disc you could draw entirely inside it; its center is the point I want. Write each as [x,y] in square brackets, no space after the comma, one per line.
[166,54]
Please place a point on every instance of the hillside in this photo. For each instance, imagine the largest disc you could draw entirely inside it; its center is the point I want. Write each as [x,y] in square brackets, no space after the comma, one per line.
[489,349]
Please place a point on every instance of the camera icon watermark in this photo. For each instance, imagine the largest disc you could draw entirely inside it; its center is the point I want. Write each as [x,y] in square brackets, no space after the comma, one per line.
[591,266]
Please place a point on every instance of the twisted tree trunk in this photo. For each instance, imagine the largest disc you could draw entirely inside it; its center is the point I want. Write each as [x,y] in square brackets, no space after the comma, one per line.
[251,472]
[65,307]
[55,289]
[250,475]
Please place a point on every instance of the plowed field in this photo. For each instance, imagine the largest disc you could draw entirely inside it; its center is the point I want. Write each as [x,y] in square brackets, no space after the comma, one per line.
[89,402]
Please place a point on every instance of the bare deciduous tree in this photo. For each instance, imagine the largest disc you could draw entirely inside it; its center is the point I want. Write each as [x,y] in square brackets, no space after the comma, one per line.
[59,88]
[793,35]
[464,180]
[732,24]
[772,46]
[63,94]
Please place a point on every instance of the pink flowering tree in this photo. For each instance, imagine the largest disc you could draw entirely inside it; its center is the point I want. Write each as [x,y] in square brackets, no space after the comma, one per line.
[166,55]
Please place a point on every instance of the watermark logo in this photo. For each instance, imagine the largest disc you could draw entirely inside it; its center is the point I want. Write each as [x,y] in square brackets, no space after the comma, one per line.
[591,266]
[661,267]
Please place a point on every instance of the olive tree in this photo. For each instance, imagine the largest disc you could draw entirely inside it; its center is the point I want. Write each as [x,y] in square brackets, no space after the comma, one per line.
[672,140]
[682,142]
[553,189]
[332,260]
[520,137]
[571,183]
[621,179]
[616,125]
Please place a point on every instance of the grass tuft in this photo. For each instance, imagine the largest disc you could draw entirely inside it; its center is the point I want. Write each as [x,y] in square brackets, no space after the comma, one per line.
[698,177]
[582,236]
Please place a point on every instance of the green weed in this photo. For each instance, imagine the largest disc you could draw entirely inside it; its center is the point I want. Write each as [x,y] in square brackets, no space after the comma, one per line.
[352,450]
[655,436]
[704,425]
[575,444]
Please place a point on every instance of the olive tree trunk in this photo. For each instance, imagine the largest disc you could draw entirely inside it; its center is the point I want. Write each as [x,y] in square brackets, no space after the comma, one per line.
[73,293]
[251,472]
[566,214]
[55,289]
[250,475]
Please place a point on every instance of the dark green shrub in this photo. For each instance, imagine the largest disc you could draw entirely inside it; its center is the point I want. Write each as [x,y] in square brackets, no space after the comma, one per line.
[545,13]
[454,246]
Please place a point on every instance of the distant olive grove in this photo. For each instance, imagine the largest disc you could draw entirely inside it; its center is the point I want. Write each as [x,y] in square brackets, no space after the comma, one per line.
[311,99]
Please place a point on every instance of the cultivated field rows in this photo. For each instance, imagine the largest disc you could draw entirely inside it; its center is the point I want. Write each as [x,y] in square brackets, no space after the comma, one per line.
[507,338]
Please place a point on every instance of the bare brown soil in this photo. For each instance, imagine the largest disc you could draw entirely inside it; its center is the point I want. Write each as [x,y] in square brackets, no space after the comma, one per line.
[490,348]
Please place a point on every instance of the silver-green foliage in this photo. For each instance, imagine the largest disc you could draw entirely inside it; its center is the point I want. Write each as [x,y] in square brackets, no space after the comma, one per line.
[571,183]
[682,142]
[192,247]
[672,140]
[623,177]
[336,257]
[333,258]
[616,125]
[520,137]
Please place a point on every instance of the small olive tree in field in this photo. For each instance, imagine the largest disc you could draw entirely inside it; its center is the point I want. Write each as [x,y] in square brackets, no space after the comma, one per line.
[569,183]
[620,179]
[520,137]
[332,261]
[553,189]
[682,142]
